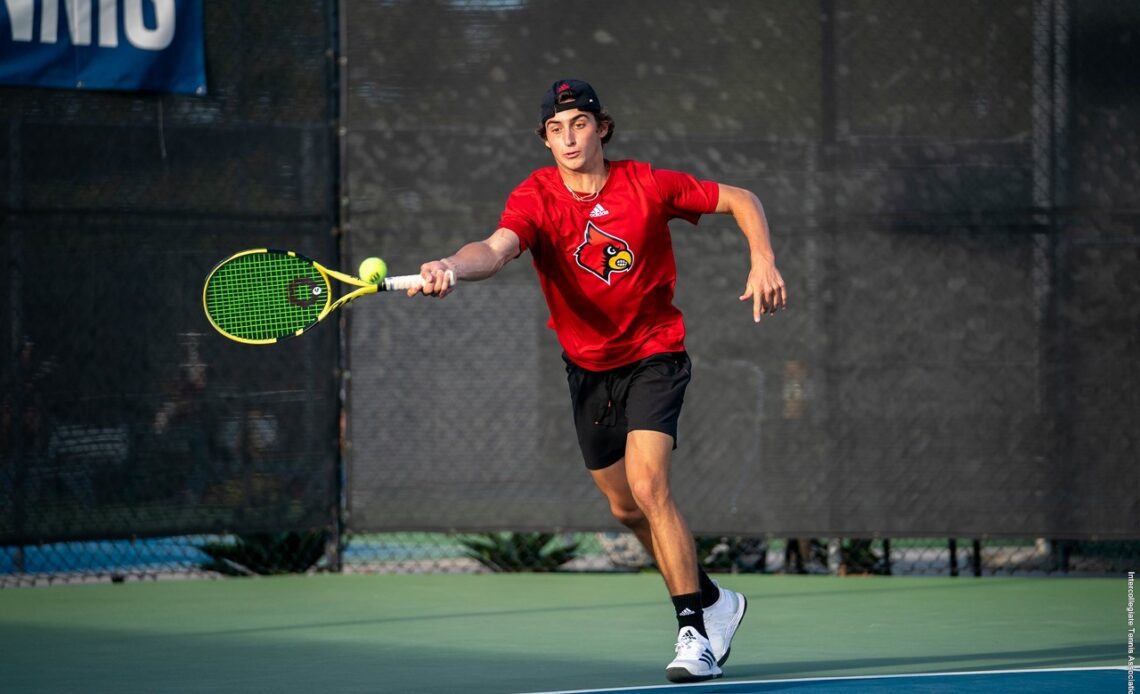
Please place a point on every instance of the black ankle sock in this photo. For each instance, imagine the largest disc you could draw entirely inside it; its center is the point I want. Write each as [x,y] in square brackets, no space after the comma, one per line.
[689,612]
[709,592]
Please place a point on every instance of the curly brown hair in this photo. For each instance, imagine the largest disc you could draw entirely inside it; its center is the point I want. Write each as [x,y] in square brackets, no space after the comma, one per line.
[601,118]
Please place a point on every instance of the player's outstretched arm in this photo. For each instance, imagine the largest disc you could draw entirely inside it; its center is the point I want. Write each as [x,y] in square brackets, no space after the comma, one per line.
[765,286]
[475,261]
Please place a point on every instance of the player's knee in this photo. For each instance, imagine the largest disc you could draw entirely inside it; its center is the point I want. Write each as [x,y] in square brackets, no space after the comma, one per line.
[630,517]
[651,495]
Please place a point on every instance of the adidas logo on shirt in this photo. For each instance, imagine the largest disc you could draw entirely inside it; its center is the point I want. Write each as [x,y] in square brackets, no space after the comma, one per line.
[599,211]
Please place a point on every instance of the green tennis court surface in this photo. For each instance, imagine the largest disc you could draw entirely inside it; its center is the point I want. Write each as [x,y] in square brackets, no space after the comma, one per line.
[561,632]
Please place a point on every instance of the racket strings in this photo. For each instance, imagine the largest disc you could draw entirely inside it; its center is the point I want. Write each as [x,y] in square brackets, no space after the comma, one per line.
[263,296]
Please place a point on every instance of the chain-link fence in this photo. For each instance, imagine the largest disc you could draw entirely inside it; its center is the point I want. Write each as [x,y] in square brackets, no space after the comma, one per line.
[458,552]
[951,193]
[124,417]
[924,192]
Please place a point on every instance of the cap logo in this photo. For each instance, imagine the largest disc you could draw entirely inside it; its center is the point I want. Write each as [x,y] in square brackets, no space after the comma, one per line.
[568,94]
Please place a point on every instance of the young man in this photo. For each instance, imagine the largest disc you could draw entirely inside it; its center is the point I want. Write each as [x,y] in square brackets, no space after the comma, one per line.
[598,236]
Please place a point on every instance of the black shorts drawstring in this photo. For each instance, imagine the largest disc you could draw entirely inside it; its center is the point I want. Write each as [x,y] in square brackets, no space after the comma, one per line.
[606,415]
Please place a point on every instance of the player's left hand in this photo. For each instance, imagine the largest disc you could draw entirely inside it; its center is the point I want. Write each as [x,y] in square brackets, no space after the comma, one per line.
[765,288]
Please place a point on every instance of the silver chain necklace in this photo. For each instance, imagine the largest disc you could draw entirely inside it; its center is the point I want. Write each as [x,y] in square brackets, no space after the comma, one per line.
[589,197]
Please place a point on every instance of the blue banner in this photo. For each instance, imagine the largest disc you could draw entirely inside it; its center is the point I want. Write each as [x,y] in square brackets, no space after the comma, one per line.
[130,45]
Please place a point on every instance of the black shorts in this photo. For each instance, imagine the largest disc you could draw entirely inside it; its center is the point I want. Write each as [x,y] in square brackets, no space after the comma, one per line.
[607,405]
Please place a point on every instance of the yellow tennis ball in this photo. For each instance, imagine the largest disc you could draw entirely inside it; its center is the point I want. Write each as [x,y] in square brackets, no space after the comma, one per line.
[373,270]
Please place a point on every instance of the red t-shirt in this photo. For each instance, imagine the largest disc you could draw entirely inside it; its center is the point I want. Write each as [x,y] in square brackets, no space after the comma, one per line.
[606,266]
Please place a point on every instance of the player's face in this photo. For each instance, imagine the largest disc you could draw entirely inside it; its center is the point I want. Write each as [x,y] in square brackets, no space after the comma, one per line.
[575,140]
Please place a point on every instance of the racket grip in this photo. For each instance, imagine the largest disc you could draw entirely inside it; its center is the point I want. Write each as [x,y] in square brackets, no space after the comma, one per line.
[403,282]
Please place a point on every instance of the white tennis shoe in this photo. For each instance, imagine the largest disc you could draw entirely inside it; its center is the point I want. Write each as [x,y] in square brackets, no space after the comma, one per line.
[694,661]
[721,620]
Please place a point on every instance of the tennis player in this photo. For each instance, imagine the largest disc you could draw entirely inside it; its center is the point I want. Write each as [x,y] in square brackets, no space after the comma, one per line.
[598,236]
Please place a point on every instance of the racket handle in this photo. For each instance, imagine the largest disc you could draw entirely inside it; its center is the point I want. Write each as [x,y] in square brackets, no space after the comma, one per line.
[402,282]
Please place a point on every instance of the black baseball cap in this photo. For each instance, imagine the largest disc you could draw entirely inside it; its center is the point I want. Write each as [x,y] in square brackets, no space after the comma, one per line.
[584,98]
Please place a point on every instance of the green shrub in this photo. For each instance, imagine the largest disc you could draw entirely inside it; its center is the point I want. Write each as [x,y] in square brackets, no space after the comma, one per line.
[518,551]
[266,554]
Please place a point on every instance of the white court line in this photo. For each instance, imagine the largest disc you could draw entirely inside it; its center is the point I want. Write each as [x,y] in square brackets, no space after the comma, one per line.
[674,687]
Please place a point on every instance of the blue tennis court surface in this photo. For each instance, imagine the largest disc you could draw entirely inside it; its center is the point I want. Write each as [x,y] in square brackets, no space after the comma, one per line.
[181,554]
[1083,680]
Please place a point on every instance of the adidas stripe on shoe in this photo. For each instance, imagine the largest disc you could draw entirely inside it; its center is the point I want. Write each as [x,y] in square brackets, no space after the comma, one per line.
[695,661]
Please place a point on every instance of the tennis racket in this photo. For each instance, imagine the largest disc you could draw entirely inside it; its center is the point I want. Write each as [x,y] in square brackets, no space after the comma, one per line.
[262,295]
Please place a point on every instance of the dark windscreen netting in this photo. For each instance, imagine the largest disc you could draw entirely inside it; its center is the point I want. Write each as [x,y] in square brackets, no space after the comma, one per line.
[124,414]
[951,189]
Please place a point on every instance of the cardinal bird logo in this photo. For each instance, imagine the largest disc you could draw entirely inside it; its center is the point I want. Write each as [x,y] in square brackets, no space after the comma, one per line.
[602,255]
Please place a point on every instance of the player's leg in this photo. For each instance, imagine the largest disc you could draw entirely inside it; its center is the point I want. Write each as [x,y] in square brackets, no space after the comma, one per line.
[614,484]
[653,409]
[599,403]
[654,395]
[723,609]
[647,459]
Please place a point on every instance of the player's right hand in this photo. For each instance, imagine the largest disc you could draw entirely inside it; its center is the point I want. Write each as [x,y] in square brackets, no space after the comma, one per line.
[436,280]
